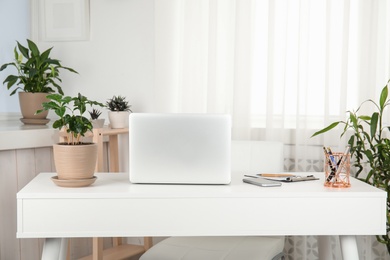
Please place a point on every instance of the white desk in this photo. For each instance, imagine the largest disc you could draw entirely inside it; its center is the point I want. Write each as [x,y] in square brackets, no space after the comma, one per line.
[112,207]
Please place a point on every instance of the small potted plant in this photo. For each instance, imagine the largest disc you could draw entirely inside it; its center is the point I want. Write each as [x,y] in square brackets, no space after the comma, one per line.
[75,160]
[37,75]
[96,121]
[118,113]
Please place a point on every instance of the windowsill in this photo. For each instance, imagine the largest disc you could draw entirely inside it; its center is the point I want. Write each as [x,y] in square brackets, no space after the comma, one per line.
[16,135]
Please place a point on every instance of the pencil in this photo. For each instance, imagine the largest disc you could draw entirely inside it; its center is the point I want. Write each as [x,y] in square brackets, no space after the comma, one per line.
[275,174]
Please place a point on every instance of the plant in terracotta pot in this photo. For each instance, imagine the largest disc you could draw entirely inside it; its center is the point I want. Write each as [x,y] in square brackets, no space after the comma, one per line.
[96,121]
[37,75]
[118,113]
[75,160]
[370,148]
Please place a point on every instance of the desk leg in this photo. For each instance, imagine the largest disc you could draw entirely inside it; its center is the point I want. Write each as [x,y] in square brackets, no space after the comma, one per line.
[349,248]
[324,248]
[55,248]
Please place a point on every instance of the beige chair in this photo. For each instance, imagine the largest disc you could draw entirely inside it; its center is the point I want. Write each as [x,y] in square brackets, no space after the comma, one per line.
[248,157]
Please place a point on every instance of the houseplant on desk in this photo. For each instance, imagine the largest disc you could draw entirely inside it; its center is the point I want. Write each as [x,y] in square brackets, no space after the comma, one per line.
[370,148]
[37,75]
[74,159]
[118,113]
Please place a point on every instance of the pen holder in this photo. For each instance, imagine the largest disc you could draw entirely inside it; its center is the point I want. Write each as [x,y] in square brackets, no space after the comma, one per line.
[337,170]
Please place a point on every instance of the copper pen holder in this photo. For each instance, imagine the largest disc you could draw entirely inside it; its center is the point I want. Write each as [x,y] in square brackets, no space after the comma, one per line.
[337,170]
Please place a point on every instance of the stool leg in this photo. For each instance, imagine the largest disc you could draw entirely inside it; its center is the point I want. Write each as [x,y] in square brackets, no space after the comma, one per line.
[68,250]
[148,243]
[97,248]
[114,155]
[98,138]
[116,241]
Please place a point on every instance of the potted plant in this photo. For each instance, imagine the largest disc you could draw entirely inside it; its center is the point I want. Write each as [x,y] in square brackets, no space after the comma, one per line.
[370,148]
[75,160]
[37,75]
[96,122]
[118,113]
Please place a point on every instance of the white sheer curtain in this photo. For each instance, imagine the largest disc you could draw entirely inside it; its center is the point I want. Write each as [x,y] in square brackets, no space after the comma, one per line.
[281,68]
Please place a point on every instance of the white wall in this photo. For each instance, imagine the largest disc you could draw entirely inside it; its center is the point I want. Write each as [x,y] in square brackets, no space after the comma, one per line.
[15,26]
[117,59]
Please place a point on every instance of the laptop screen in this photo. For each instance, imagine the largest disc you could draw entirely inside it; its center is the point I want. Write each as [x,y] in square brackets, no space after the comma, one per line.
[180,148]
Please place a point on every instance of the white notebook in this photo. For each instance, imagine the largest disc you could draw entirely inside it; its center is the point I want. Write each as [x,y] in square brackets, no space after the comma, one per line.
[180,148]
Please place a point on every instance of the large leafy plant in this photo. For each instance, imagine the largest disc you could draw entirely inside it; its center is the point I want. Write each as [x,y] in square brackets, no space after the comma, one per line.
[36,71]
[70,111]
[370,148]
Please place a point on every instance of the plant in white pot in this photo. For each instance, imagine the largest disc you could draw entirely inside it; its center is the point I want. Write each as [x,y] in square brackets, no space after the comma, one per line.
[74,160]
[96,121]
[118,113]
[37,76]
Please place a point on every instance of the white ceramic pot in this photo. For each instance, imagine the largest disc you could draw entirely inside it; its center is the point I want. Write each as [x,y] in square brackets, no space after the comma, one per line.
[119,119]
[97,123]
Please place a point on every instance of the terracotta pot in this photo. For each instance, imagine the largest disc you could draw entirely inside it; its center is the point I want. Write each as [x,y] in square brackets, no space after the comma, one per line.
[30,103]
[119,119]
[75,162]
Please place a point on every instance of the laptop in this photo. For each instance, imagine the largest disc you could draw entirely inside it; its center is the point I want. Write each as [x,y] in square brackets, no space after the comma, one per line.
[179,148]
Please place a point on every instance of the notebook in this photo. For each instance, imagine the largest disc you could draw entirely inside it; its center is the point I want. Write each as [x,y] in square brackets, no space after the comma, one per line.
[179,148]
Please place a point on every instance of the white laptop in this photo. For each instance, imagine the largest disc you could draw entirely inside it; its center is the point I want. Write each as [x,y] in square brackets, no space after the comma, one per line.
[180,148]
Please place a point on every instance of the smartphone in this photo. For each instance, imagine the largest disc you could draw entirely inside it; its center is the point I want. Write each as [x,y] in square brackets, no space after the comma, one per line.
[261,182]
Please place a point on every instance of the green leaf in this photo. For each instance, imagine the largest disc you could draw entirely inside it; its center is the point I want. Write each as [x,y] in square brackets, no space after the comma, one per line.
[354,120]
[55,97]
[6,65]
[39,111]
[33,47]
[32,72]
[58,124]
[374,124]
[11,81]
[14,91]
[50,105]
[23,50]
[60,111]
[70,69]
[383,97]
[326,129]
[366,118]
[16,54]
[351,141]
[10,78]
[45,54]
[67,99]
[58,88]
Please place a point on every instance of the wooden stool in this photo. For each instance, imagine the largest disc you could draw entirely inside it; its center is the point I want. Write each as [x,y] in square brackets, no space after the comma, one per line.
[98,137]
[118,250]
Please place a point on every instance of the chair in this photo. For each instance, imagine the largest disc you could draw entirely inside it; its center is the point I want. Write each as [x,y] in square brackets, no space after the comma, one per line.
[248,157]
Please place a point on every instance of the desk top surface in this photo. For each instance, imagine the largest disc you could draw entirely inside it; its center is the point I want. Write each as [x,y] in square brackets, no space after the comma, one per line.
[117,185]
[197,210]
